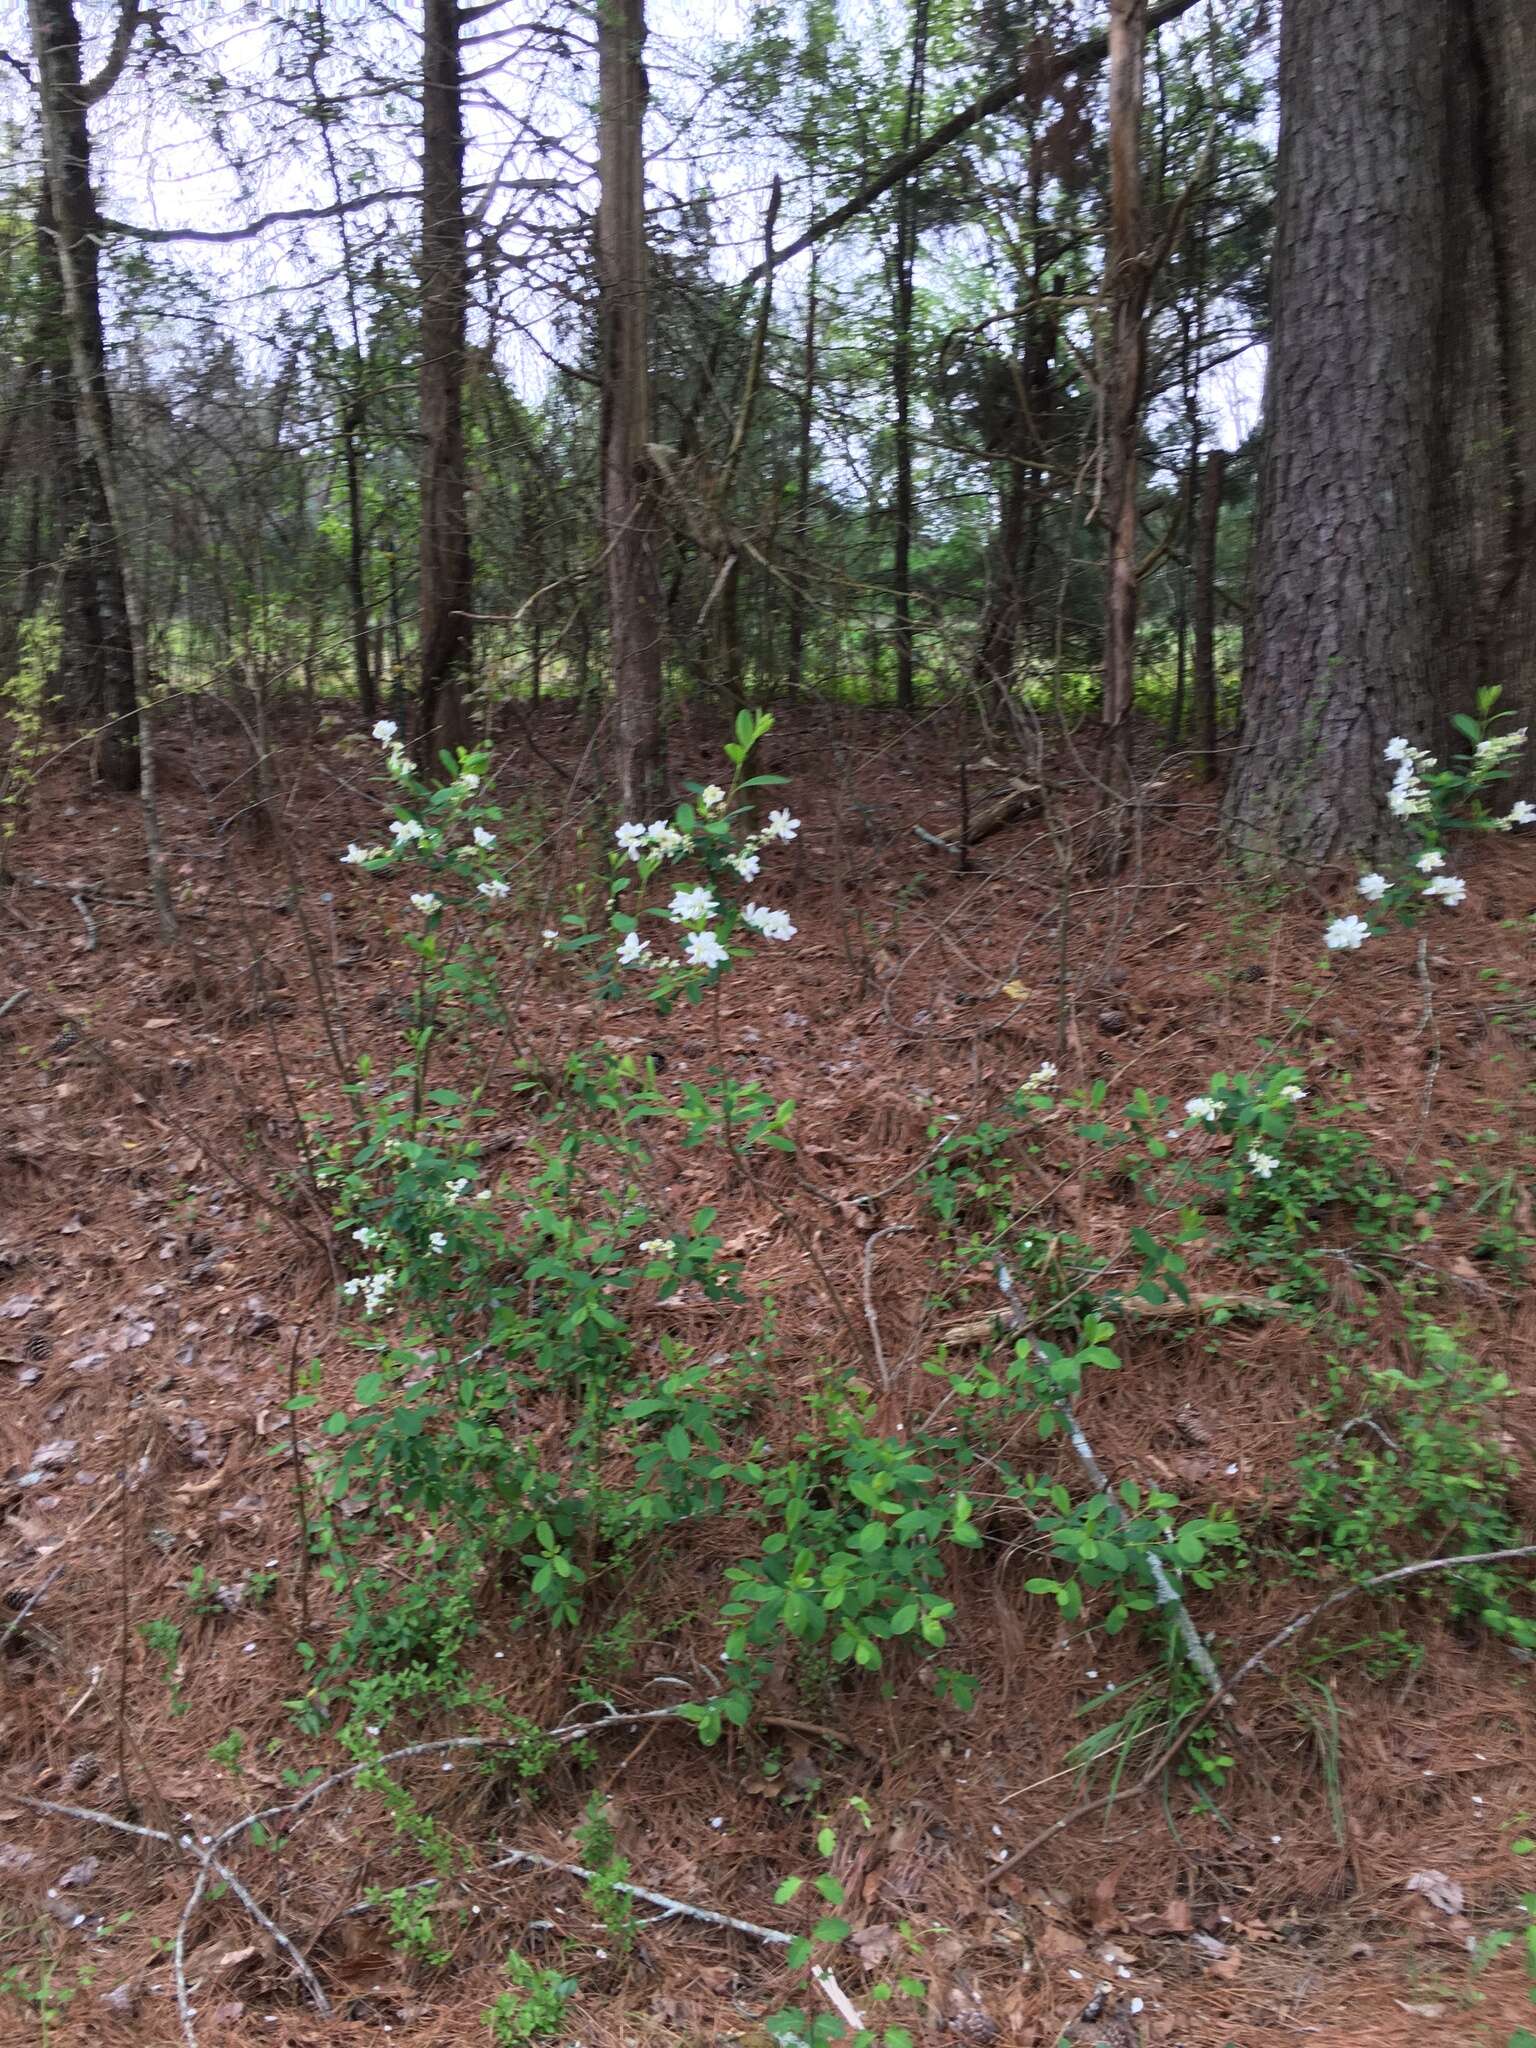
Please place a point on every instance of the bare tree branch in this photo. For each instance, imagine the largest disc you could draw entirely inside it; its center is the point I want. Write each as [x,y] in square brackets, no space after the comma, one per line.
[897,169]
[130,15]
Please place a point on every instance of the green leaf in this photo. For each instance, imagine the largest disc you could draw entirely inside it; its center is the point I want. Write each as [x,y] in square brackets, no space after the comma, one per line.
[787,1890]
[830,1929]
[368,1389]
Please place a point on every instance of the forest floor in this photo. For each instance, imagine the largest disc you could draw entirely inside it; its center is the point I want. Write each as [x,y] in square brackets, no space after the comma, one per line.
[158,1275]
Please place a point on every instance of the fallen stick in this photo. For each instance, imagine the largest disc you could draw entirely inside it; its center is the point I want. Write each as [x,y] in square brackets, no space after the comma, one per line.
[1246,1669]
[1168,1594]
[825,1982]
[972,1329]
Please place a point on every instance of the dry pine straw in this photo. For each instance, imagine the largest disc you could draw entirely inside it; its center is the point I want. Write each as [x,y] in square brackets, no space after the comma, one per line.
[884,1014]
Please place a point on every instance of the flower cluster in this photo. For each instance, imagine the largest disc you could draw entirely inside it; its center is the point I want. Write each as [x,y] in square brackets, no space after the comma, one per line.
[1251,1109]
[372,1288]
[444,827]
[707,918]
[1422,790]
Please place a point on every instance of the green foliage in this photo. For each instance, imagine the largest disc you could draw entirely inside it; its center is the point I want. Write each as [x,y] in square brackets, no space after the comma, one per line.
[534,2008]
[606,1898]
[1408,1460]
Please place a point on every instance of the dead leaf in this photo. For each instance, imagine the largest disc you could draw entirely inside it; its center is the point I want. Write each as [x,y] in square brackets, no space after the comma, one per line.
[1102,1901]
[1442,1892]
[1421,2012]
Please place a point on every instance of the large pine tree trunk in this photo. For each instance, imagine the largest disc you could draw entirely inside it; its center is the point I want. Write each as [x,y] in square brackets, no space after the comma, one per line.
[1394,567]
[70,219]
[629,508]
[447,577]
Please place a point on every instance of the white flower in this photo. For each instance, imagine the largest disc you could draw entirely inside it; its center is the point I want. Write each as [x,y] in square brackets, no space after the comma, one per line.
[1450,889]
[1291,1093]
[772,924]
[1521,813]
[1373,887]
[1397,750]
[483,839]
[407,829]
[364,1236]
[384,731]
[1346,934]
[630,840]
[1204,1109]
[372,1287]
[633,949]
[550,937]
[711,797]
[1428,862]
[1262,1164]
[399,763]
[658,1247]
[437,1242]
[426,902]
[689,906]
[781,825]
[494,889]
[358,856]
[1043,1075]
[665,838]
[469,781]
[704,950]
[747,865]
[456,1190]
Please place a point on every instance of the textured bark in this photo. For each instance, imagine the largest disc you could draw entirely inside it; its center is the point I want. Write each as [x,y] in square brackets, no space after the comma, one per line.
[629,508]
[1203,608]
[71,223]
[357,575]
[1395,562]
[1127,291]
[904,509]
[447,576]
[799,601]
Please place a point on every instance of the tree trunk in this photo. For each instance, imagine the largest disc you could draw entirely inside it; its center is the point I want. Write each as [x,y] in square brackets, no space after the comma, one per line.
[901,372]
[1204,608]
[629,511]
[799,602]
[1126,281]
[447,576]
[1395,559]
[71,224]
[357,575]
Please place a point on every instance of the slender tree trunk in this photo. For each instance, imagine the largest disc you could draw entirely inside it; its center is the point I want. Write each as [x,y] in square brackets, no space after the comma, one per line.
[1204,608]
[629,511]
[1126,282]
[799,603]
[357,572]
[446,597]
[71,225]
[901,371]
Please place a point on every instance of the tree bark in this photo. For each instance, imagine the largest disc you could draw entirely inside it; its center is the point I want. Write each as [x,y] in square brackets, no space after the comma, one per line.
[446,596]
[904,510]
[1126,280]
[71,221]
[799,601]
[1395,559]
[1203,608]
[357,574]
[628,499]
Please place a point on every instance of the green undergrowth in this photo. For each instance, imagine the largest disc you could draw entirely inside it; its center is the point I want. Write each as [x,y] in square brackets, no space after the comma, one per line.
[528,1439]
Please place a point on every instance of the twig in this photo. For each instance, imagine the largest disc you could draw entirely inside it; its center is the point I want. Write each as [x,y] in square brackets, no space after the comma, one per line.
[826,1983]
[89,921]
[870,1317]
[1251,1664]
[32,1600]
[1168,1595]
[13,1001]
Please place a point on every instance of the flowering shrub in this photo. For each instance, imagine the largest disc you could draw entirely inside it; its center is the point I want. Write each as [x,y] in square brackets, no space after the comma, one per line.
[1433,801]
[707,922]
